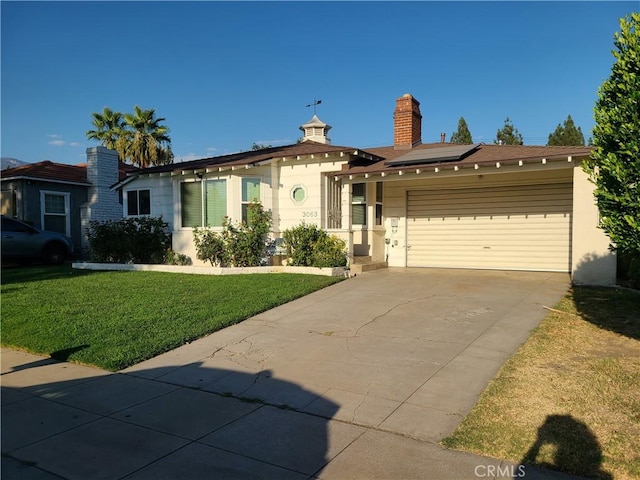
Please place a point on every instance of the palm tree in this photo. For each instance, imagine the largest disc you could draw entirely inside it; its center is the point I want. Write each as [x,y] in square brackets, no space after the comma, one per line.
[138,138]
[147,142]
[109,129]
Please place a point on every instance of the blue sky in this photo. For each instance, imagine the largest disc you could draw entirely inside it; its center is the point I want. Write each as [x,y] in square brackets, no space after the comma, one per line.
[228,74]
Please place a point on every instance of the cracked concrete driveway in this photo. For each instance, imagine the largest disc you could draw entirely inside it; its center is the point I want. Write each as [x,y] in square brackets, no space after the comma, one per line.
[406,351]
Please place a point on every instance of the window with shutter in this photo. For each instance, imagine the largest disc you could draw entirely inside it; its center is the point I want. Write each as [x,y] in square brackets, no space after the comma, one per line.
[191,203]
[359,203]
[216,202]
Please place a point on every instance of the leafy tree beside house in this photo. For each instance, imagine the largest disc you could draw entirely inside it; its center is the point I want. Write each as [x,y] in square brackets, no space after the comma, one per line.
[462,135]
[508,135]
[138,137]
[566,134]
[614,165]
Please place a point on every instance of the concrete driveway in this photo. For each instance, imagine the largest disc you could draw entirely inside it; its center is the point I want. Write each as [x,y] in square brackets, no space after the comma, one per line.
[352,381]
[403,350]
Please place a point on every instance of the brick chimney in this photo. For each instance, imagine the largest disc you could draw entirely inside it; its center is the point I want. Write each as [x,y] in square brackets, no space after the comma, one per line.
[407,123]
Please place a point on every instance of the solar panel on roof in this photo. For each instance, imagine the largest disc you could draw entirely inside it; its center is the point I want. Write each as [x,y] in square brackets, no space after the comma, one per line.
[433,155]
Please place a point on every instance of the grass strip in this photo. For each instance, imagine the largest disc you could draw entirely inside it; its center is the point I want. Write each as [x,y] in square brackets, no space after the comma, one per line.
[569,399]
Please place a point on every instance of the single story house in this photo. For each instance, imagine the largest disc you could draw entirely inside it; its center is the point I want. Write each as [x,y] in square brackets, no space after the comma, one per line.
[65,198]
[409,204]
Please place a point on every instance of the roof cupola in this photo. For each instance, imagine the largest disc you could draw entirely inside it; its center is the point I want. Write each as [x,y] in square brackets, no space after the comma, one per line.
[315,130]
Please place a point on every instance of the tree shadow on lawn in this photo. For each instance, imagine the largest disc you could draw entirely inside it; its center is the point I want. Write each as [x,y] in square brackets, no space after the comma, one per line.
[24,274]
[613,309]
[157,425]
[576,448]
[610,308]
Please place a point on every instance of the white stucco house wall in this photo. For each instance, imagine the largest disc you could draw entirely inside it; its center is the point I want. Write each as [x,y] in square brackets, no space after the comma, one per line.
[409,204]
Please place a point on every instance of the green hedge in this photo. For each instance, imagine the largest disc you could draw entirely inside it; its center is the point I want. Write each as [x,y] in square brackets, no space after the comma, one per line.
[130,240]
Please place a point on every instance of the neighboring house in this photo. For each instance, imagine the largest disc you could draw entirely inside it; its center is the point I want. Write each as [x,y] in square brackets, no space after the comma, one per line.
[408,204]
[64,198]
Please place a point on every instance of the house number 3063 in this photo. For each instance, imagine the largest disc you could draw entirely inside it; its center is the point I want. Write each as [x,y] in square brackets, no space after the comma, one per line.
[310,214]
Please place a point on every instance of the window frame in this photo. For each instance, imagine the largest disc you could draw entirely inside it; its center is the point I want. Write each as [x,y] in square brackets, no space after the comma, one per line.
[205,200]
[202,210]
[360,203]
[138,203]
[67,209]
[244,204]
[183,185]
[378,207]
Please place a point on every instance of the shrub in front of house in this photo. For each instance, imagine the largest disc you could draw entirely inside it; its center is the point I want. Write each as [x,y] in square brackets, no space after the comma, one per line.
[175,258]
[299,242]
[130,240]
[210,247]
[329,251]
[310,246]
[246,242]
[237,245]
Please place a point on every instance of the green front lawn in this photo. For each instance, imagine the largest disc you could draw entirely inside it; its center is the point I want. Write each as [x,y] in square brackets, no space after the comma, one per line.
[116,319]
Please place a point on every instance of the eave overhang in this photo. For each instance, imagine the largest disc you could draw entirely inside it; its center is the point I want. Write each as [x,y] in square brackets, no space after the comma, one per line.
[44,179]
[353,156]
[461,167]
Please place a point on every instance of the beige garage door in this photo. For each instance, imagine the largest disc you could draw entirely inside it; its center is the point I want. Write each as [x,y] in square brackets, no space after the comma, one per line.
[525,227]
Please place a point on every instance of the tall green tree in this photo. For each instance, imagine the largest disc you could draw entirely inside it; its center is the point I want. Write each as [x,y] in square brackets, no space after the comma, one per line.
[109,127]
[148,142]
[614,165]
[138,137]
[566,134]
[462,134]
[508,135]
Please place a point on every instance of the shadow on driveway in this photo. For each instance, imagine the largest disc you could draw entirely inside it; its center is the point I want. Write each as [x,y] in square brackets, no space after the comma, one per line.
[77,422]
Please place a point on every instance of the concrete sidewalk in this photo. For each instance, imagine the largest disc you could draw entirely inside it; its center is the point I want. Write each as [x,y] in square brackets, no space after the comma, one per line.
[359,380]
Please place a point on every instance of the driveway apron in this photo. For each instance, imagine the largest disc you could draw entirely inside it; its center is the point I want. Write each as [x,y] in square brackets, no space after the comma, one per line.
[391,359]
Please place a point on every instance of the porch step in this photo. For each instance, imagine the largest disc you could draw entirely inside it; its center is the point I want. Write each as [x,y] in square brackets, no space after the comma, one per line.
[365,264]
[361,260]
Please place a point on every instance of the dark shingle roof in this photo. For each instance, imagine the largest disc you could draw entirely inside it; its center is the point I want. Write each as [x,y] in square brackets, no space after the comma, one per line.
[254,157]
[484,154]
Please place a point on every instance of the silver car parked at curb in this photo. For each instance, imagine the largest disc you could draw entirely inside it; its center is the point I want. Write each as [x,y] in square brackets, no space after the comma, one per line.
[22,242]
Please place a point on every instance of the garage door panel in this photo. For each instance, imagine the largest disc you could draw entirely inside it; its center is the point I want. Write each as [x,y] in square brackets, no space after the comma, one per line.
[494,220]
[510,227]
[497,194]
[498,198]
[495,208]
[556,241]
[482,207]
[496,256]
